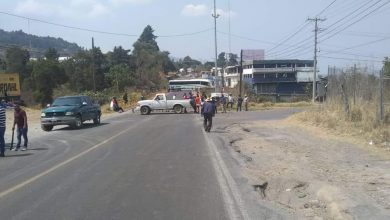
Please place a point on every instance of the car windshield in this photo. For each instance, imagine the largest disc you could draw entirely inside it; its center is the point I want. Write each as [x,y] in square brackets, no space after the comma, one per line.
[68,101]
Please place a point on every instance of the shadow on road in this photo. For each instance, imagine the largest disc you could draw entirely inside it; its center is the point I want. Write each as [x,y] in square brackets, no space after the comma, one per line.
[39,148]
[85,126]
[19,155]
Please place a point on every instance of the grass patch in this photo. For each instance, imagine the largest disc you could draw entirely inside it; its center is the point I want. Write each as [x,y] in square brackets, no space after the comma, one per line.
[362,121]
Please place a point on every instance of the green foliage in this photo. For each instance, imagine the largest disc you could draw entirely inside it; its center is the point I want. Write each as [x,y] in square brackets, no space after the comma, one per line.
[16,60]
[233,60]
[119,56]
[121,77]
[221,61]
[51,54]
[38,44]
[46,75]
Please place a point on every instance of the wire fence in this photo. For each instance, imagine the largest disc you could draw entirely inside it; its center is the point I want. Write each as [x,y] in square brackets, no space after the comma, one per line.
[357,90]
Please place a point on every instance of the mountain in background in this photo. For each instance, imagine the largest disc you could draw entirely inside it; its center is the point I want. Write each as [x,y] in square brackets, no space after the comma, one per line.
[38,44]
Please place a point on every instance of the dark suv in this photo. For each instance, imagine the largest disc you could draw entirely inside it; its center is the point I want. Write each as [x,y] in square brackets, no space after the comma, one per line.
[70,110]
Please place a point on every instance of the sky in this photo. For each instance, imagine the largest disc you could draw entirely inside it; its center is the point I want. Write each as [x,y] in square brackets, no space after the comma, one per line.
[351,32]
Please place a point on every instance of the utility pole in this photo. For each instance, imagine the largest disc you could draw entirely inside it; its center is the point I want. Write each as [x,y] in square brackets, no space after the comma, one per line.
[230,40]
[93,66]
[316,29]
[215,16]
[381,97]
[241,70]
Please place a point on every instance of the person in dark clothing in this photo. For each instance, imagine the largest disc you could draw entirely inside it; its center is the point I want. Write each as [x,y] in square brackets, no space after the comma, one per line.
[208,110]
[239,102]
[192,102]
[214,102]
[224,103]
[20,119]
[2,127]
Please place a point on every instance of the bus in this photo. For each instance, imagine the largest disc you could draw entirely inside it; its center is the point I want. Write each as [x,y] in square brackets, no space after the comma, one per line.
[190,84]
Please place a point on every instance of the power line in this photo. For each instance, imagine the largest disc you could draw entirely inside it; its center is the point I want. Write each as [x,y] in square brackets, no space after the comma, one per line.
[361,18]
[363,44]
[99,31]
[305,24]
[343,58]
[187,34]
[351,54]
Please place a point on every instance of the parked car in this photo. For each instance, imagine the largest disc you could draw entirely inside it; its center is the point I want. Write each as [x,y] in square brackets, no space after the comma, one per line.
[163,102]
[70,110]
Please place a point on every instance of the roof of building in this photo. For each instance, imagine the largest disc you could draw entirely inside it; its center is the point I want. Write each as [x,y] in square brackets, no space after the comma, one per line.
[295,61]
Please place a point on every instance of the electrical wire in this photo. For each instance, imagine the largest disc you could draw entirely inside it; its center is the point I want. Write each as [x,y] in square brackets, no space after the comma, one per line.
[99,31]
[361,18]
[343,58]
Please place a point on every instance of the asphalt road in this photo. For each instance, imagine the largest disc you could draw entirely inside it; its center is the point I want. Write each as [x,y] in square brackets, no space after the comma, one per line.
[161,166]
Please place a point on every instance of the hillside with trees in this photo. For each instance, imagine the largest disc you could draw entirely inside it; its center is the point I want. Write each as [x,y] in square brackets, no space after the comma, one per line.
[38,44]
[91,71]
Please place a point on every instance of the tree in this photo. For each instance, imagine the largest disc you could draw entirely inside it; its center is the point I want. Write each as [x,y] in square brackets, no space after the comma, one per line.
[221,61]
[208,65]
[3,65]
[119,56]
[232,59]
[52,54]
[147,37]
[148,59]
[46,75]
[16,60]
[121,77]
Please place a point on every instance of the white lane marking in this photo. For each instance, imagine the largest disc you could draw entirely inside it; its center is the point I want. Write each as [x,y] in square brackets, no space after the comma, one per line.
[32,179]
[230,192]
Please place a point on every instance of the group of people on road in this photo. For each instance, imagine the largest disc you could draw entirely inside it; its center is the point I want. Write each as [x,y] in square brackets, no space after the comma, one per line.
[210,106]
[229,102]
[20,123]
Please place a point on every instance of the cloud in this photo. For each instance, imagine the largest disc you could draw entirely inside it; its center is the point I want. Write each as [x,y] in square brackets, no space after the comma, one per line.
[98,9]
[225,14]
[124,2]
[70,9]
[33,7]
[194,10]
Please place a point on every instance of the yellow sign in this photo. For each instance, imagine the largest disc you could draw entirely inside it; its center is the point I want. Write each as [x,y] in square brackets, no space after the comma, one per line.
[10,84]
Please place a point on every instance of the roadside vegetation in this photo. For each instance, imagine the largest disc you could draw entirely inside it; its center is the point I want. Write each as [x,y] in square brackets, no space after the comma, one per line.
[353,105]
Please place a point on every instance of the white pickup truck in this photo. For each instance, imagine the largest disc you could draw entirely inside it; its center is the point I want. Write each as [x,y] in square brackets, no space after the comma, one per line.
[165,102]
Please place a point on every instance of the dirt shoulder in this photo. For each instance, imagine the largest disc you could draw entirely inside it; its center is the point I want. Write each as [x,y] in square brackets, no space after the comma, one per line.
[311,173]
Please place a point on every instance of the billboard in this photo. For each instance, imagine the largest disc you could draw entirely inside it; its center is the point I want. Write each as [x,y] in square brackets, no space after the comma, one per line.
[10,84]
[249,55]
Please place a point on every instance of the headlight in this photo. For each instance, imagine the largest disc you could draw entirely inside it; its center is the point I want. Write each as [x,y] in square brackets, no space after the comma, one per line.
[69,113]
[43,114]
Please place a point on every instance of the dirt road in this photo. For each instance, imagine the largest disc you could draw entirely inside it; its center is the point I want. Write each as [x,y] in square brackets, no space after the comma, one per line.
[309,173]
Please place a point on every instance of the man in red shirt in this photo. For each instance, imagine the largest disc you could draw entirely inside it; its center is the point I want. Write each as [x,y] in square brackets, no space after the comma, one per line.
[20,119]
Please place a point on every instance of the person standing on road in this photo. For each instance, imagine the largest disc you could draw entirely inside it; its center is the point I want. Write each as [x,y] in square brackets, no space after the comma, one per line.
[20,119]
[246,100]
[239,103]
[224,102]
[2,127]
[230,101]
[198,102]
[208,110]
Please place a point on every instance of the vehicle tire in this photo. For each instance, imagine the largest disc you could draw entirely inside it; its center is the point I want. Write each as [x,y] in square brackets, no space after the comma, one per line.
[47,127]
[78,123]
[145,110]
[178,109]
[96,120]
